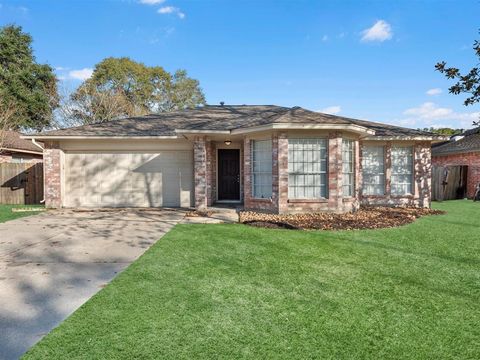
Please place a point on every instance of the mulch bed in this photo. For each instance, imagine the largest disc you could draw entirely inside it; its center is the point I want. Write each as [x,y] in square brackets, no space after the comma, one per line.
[200,213]
[365,218]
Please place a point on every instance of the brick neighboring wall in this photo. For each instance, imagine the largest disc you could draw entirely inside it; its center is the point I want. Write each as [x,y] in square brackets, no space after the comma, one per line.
[421,185]
[472,160]
[52,173]
[4,158]
[211,153]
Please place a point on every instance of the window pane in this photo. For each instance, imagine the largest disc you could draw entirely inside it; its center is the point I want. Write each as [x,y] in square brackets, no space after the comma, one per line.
[261,157]
[373,170]
[348,158]
[307,167]
[402,170]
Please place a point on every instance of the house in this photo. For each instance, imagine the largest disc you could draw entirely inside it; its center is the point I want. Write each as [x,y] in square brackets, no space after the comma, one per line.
[269,158]
[461,150]
[14,149]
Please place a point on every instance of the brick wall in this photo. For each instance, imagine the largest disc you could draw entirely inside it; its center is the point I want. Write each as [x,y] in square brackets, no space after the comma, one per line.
[472,160]
[52,168]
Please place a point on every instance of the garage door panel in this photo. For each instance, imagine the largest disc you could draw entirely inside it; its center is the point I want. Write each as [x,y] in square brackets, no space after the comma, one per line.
[129,179]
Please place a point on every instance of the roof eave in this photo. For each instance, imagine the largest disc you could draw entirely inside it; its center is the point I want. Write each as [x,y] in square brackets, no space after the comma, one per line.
[21,151]
[95,137]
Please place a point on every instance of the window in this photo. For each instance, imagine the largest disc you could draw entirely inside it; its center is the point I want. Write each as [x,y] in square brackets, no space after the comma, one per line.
[402,170]
[261,168]
[307,168]
[373,170]
[348,159]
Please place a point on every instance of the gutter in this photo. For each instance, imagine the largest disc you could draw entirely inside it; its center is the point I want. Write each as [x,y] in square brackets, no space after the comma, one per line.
[34,142]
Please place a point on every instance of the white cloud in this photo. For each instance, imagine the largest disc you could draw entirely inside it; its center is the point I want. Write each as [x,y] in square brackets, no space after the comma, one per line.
[430,113]
[434,91]
[331,110]
[171,10]
[82,74]
[325,38]
[151,2]
[380,31]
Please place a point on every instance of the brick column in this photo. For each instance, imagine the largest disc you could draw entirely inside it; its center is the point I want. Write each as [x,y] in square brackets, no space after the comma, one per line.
[282,167]
[211,159]
[335,191]
[388,169]
[52,162]
[423,173]
[200,168]
[247,175]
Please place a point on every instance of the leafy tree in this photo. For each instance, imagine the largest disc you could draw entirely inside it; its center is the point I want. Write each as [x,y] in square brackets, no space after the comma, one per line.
[133,89]
[27,86]
[468,83]
[443,131]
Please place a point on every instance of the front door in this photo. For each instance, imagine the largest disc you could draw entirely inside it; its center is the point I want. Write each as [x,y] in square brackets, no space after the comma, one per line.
[229,174]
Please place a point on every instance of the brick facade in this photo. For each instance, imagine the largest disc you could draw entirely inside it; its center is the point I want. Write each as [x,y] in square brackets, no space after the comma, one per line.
[200,172]
[52,174]
[472,160]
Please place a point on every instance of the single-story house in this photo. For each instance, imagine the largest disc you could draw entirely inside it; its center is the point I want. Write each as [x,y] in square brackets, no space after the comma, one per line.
[14,149]
[267,157]
[461,150]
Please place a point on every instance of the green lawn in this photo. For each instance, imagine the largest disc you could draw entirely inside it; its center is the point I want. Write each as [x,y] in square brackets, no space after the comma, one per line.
[233,291]
[6,212]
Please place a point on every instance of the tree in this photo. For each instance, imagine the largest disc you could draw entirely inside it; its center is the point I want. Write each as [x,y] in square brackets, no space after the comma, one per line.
[468,83]
[8,120]
[28,86]
[121,87]
[443,131]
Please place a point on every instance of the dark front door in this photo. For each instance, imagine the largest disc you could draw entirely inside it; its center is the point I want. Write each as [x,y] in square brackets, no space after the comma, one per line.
[228,174]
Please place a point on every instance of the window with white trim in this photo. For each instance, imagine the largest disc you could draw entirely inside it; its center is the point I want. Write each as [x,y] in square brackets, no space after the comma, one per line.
[261,157]
[402,170]
[348,167]
[373,170]
[307,168]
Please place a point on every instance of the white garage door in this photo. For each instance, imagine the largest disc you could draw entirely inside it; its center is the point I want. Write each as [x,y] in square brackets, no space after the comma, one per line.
[164,178]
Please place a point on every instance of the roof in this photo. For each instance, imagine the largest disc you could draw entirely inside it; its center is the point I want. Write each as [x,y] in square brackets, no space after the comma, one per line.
[11,141]
[469,141]
[227,118]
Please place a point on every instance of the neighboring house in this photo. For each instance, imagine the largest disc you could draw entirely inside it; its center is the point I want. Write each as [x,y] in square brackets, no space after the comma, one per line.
[14,149]
[461,150]
[267,157]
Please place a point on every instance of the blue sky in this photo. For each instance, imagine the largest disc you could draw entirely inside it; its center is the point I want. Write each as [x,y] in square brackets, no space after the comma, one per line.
[371,59]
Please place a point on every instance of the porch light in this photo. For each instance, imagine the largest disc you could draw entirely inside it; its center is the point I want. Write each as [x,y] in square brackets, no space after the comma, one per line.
[228,142]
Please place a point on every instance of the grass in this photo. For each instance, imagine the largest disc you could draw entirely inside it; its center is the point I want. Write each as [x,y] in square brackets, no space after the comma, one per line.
[7,214]
[233,291]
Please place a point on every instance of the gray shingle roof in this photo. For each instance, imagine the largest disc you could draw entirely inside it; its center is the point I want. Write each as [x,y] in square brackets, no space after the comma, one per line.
[11,140]
[469,143]
[227,117]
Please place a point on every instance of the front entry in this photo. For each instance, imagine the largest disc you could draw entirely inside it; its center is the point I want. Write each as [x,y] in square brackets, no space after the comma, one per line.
[229,174]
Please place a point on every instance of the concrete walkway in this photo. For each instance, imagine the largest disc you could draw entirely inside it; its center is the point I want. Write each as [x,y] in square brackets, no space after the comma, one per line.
[52,263]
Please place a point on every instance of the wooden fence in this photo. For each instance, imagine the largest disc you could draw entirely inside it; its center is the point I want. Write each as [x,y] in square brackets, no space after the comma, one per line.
[449,182]
[21,183]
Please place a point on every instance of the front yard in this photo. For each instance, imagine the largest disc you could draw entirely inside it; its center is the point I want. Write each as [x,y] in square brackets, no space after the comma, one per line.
[7,214]
[234,291]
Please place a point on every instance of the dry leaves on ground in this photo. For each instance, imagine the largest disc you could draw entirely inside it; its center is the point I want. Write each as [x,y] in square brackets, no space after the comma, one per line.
[365,218]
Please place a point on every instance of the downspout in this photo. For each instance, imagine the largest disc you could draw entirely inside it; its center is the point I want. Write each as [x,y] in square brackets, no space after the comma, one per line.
[34,142]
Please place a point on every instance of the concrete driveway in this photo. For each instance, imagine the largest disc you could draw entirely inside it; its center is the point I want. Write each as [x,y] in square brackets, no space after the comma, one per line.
[52,263]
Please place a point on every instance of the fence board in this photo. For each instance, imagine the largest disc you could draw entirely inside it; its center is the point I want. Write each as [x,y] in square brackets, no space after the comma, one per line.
[21,183]
[448,182]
